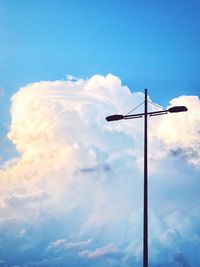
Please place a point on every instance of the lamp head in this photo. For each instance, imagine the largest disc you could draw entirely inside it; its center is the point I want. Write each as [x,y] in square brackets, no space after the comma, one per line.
[177,109]
[115,117]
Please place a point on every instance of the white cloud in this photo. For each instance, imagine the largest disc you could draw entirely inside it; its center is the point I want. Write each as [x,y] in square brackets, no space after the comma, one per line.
[60,129]
[180,132]
[99,252]
[82,176]
[63,243]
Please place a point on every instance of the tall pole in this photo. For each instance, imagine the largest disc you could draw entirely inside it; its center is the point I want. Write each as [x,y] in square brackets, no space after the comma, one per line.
[117,117]
[145,225]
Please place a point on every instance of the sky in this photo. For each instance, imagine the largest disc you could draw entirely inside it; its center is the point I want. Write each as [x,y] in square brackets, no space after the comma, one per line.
[71,183]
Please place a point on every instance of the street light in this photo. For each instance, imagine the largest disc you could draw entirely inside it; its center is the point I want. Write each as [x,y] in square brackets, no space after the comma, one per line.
[174,109]
[116,117]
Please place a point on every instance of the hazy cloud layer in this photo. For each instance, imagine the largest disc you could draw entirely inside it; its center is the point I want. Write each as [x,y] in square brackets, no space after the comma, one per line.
[74,195]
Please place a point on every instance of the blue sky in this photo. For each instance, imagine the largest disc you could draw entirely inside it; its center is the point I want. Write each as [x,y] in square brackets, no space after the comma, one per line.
[147,44]
[152,44]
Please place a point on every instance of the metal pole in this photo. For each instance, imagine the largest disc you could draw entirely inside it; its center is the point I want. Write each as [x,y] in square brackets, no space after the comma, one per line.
[133,116]
[145,225]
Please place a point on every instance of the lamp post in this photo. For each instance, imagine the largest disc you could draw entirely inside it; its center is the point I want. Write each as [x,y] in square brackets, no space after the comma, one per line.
[115,117]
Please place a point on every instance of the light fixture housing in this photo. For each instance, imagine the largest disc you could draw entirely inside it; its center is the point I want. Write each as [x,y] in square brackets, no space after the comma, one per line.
[177,109]
[115,117]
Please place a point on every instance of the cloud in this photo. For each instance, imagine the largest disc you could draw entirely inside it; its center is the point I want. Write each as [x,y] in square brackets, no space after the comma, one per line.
[99,252]
[17,200]
[63,243]
[76,186]
[180,132]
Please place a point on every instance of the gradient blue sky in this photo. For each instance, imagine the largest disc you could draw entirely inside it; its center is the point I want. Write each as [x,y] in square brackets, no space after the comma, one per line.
[147,44]
[152,44]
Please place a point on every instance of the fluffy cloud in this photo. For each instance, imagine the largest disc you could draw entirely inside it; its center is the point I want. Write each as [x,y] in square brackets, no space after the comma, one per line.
[180,132]
[74,194]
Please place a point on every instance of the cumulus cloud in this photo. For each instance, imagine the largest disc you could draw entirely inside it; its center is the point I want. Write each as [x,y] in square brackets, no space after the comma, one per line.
[75,192]
[180,132]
